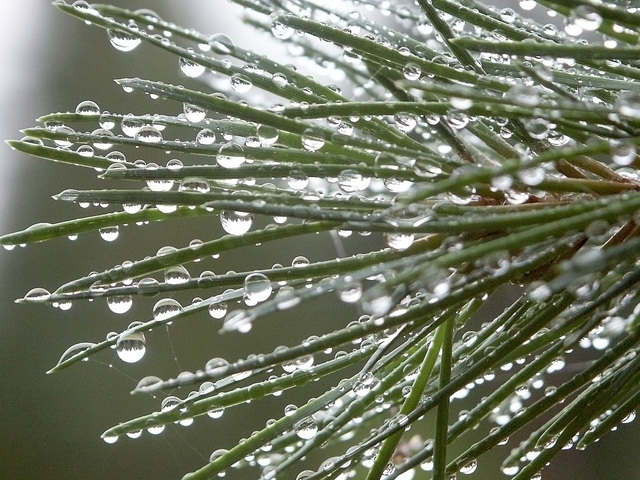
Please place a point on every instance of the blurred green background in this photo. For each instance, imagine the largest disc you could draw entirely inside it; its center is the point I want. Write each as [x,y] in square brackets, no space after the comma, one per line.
[51,425]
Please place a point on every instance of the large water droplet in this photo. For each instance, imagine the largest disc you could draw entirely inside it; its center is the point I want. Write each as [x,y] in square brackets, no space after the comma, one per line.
[75,350]
[166,308]
[306,428]
[628,104]
[240,83]
[37,295]
[194,113]
[191,68]
[109,234]
[131,347]
[123,41]
[280,30]
[257,287]
[88,108]
[239,320]
[176,275]
[218,310]
[312,139]
[234,223]
[120,303]
[230,155]
[148,134]
[194,185]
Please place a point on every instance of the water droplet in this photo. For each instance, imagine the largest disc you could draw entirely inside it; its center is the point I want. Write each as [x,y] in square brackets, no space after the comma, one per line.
[313,139]
[257,287]
[538,128]
[507,15]
[628,104]
[218,310]
[190,68]
[510,470]
[624,153]
[280,30]
[300,261]
[149,383]
[176,275]
[88,108]
[405,122]
[217,454]
[194,185]
[527,4]
[586,18]
[194,113]
[104,139]
[216,412]
[130,125]
[205,137]
[523,95]
[351,181]
[234,223]
[123,41]
[630,417]
[306,428]
[148,134]
[85,151]
[280,79]
[239,320]
[351,292]
[230,155]
[131,346]
[110,439]
[37,295]
[221,43]
[398,241]
[157,430]
[157,184]
[74,351]
[411,71]
[165,309]
[239,83]
[267,135]
[119,303]
[109,234]
[64,142]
